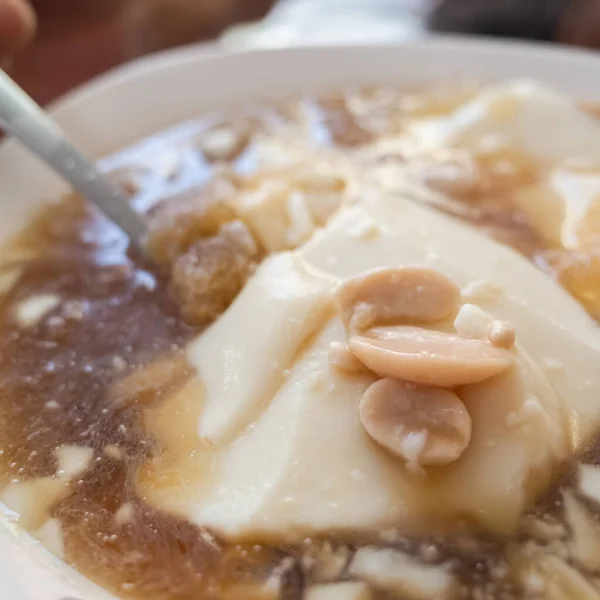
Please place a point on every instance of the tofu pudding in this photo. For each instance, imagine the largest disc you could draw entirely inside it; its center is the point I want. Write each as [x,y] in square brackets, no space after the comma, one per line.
[362,363]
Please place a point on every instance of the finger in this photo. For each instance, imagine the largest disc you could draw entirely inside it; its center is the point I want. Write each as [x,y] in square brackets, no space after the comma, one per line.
[17,25]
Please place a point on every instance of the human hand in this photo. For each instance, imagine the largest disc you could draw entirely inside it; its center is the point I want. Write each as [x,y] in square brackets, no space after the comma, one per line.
[79,39]
[17,26]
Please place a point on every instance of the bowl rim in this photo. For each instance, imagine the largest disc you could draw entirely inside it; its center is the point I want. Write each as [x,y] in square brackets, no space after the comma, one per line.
[29,572]
[189,52]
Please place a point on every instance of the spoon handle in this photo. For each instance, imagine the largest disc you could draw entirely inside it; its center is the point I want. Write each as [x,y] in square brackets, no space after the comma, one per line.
[24,120]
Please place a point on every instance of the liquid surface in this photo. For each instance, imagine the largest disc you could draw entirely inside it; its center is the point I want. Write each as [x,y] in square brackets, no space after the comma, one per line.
[69,377]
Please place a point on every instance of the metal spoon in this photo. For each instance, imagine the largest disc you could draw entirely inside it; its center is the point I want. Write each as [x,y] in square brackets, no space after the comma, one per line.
[24,120]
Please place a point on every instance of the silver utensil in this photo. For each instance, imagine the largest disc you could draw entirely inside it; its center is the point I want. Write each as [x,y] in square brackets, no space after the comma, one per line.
[24,120]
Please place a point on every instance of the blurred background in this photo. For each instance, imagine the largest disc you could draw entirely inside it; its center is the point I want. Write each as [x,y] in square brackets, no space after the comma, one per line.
[77,39]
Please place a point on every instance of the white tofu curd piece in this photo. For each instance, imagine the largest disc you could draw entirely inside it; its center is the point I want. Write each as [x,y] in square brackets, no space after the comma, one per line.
[522,115]
[32,309]
[281,454]
[564,208]
[73,461]
[243,357]
[589,482]
[548,321]
[279,217]
[50,535]
[346,590]
[307,464]
[32,500]
[393,571]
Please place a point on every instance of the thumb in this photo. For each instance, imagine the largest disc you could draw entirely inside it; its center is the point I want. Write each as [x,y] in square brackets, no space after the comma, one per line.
[17,25]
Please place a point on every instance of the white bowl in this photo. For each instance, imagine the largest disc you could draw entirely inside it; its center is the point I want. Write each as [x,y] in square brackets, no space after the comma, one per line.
[154,93]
